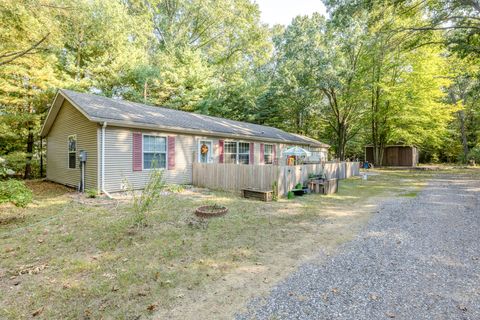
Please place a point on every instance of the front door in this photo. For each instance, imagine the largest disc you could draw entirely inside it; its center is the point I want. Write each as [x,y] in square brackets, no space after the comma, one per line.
[205,151]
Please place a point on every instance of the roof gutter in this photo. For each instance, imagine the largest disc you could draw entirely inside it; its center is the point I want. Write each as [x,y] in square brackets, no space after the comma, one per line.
[130,124]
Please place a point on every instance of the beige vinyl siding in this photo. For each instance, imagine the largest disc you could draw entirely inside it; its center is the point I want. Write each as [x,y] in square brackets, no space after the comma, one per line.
[70,121]
[119,159]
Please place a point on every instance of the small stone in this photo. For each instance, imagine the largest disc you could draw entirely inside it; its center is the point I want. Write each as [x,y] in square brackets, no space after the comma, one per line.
[390,315]
[462,307]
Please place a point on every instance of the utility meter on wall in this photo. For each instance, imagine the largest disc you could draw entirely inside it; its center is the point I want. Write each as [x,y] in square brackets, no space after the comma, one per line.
[83,156]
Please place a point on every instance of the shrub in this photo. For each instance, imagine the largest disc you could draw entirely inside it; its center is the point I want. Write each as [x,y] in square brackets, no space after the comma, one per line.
[290,195]
[16,192]
[4,171]
[91,193]
[150,195]
[474,154]
[174,188]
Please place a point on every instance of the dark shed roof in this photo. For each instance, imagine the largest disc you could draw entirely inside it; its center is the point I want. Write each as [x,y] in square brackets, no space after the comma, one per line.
[122,112]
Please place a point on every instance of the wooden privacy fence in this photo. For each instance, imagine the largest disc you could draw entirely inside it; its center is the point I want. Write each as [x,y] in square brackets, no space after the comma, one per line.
[236,177]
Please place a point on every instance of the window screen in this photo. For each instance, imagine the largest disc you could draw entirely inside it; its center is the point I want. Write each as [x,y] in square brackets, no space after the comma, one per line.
[154,152]
[72,151]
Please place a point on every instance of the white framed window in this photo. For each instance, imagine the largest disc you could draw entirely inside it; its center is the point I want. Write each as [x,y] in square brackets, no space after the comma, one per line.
[72,151]
[243,153]
[154,152]
[268,154]
[236,152]
[230,152]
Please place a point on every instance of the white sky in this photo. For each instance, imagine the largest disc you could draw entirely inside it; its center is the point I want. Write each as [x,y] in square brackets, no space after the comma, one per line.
[283,11]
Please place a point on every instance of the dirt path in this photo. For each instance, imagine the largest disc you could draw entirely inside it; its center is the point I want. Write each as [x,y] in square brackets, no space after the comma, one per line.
[418,258]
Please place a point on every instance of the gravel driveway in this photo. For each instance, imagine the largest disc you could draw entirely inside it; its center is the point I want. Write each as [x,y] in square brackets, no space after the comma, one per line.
[418,258]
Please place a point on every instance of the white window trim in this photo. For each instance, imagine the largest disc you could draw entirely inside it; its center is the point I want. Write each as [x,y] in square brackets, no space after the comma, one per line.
[211,151]
[166,151]
[238,149]
[68,151]
[271,145]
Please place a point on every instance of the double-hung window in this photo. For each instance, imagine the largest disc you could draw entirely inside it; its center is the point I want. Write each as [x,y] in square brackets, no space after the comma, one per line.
[72,151]
[154,152]
[268,154]
[230,152]
[243,152]
[237,152]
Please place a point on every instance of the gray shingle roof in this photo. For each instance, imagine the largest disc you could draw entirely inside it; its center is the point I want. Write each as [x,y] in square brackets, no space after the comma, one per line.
[99,108]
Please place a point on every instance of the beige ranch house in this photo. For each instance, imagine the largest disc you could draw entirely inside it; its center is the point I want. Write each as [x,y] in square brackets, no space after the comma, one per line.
[125,140]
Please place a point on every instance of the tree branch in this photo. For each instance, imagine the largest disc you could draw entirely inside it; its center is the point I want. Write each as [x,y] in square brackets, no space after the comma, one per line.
[22,53]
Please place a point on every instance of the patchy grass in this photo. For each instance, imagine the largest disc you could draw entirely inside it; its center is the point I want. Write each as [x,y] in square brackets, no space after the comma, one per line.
[66,256]
[411,194]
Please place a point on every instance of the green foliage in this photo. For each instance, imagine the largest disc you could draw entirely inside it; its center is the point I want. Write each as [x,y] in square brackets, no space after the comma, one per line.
[290,195]
[91,193]
[5,171]
[275,191]
[174,188]
[474,154]
[148,198]
[16,192]
[371,72]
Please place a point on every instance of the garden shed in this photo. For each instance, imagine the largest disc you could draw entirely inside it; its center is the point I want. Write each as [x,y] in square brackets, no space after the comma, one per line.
[395,155]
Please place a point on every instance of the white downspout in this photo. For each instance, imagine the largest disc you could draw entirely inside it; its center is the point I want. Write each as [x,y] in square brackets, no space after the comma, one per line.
[102,165]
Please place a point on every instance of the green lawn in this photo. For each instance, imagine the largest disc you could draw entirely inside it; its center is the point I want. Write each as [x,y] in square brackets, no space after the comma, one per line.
[66,256]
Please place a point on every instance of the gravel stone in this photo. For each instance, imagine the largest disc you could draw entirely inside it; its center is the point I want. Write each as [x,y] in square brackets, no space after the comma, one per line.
[418,258]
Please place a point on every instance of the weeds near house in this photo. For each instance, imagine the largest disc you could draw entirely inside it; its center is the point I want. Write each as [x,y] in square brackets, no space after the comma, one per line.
[275,191]
[91,193]
[148,198]
[174,188]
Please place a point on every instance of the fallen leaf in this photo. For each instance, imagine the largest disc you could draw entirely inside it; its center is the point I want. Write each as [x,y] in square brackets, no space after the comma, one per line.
[152,307]
[37,312]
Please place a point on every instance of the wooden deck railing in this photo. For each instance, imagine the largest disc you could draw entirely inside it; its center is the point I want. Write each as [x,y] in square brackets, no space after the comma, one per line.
[235,177]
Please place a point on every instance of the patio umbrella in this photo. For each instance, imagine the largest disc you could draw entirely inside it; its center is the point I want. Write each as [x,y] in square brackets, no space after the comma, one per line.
[297,151]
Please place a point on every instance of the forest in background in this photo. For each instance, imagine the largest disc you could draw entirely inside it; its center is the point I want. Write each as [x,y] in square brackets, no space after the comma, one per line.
[371,72]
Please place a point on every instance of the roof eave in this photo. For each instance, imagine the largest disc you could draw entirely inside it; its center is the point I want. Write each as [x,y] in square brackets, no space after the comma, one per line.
[132,124]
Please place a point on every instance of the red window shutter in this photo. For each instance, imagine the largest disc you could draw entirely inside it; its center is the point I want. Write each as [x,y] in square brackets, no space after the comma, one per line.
[252,153]
[137,151]
[220,151]
[262,153]
[171,152]
[274,147]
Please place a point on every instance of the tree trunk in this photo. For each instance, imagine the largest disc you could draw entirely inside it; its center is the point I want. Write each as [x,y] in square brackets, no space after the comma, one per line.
[145,88]
[341,142]
[463,132]
[28,164]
